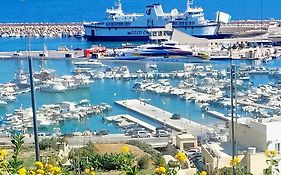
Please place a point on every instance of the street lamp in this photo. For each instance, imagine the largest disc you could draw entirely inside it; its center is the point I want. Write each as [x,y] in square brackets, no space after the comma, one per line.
[233,145]
[32,92]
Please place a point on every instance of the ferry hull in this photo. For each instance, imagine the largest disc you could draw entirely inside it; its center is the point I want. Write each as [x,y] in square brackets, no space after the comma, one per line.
[116,38]
[93,33]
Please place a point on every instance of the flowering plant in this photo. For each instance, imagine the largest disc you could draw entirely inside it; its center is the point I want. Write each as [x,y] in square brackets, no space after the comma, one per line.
[271,162]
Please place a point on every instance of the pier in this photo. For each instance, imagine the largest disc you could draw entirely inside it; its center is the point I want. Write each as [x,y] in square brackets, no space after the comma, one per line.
[218,115]
[162,116]
[61,53]
[256,105]
[137,121]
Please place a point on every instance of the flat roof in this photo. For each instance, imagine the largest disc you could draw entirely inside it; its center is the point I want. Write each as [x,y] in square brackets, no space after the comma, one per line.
[186,136]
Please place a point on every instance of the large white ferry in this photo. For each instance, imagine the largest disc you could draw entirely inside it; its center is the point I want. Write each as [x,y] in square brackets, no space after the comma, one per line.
[135,26]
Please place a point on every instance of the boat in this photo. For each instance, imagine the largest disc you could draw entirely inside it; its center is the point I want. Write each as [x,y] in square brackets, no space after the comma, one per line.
[3,103]
[121,54]
[165,49]
[21,79]
[53,87]
[139,26]
[88,63]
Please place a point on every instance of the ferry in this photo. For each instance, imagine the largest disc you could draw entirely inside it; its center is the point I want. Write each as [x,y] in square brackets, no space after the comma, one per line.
[136,26]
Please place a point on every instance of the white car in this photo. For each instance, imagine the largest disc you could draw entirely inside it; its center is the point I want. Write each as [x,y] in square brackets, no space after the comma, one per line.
[141,134]
[162,133]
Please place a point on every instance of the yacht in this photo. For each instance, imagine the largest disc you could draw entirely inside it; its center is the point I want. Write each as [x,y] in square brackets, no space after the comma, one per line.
[164,49]
[3,103]
[91,63]
[53,87]
[138,26]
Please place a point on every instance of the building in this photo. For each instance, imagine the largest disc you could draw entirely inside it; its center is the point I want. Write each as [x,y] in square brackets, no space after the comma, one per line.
[186,141]
[253,137]
[262,134]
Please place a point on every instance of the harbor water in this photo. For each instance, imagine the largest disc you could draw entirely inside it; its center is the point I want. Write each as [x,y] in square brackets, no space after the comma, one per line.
[110,90]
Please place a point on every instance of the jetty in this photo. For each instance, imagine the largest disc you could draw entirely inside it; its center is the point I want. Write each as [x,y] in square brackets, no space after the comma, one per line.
[243,102]
[218,115]
[162,116]
[132,119]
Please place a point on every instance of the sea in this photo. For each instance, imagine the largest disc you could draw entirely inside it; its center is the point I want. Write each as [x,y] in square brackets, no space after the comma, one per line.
[108,91]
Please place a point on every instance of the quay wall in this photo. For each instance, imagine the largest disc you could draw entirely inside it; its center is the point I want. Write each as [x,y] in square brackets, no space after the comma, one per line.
[41,29]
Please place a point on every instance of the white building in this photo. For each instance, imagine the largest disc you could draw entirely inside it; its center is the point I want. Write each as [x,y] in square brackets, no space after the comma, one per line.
[252,137]
[262,134]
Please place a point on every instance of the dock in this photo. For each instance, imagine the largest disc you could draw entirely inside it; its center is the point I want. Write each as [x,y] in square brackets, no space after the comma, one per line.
[137,121]
[49,54]
[162,116]
[256,105]
[218,115]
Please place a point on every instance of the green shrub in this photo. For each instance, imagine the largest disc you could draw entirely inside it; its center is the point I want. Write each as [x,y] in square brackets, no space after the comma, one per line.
[143,162]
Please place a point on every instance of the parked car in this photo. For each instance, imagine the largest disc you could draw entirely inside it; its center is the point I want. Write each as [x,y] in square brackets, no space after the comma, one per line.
[165,128]
[176,116]
[141,134]
[162,133]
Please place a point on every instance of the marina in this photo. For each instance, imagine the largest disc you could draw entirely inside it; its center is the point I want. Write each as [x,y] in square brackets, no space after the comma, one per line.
[155,81]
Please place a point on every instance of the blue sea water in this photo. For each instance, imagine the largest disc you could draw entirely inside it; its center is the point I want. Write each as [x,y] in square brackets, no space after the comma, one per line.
[108,91]
[100,91]
[92,10]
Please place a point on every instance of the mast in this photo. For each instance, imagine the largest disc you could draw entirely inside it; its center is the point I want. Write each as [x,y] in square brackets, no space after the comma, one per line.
[119,5]
[188,3]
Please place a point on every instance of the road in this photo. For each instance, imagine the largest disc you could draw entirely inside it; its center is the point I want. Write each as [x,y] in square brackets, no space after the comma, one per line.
[79,141]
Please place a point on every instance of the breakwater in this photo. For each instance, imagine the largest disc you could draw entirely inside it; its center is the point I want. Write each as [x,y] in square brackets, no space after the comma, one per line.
[69,29]
[41,29]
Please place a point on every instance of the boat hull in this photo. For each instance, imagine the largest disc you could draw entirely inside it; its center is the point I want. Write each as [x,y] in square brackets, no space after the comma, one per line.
[94,33]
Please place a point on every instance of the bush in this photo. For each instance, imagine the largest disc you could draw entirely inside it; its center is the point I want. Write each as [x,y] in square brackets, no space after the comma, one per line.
[143,146]
[87,156]
[143,162]
[157,157]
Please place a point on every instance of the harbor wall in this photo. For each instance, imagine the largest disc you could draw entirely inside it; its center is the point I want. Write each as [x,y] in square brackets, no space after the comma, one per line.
[69,29]
[41,29]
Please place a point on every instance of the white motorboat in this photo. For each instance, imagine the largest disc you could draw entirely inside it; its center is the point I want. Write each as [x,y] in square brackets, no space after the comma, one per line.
[91,63]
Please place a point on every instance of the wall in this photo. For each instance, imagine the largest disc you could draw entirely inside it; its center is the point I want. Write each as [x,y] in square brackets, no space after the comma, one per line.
[255,163]
[253,136]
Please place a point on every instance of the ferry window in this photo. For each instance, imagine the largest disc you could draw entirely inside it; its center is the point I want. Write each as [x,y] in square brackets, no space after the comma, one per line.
[160,33]
[154,33]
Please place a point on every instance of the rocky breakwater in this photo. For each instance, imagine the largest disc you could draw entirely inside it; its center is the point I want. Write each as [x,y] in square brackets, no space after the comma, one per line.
[41,29]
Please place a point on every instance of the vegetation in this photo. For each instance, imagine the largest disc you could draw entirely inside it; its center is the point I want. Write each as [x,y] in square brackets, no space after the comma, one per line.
[236,166]
[89,161]
[51,143]
[271,162]
[156,156]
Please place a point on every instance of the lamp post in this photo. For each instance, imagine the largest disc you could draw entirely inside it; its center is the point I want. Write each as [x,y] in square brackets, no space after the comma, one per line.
[32,92]
[233,147]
